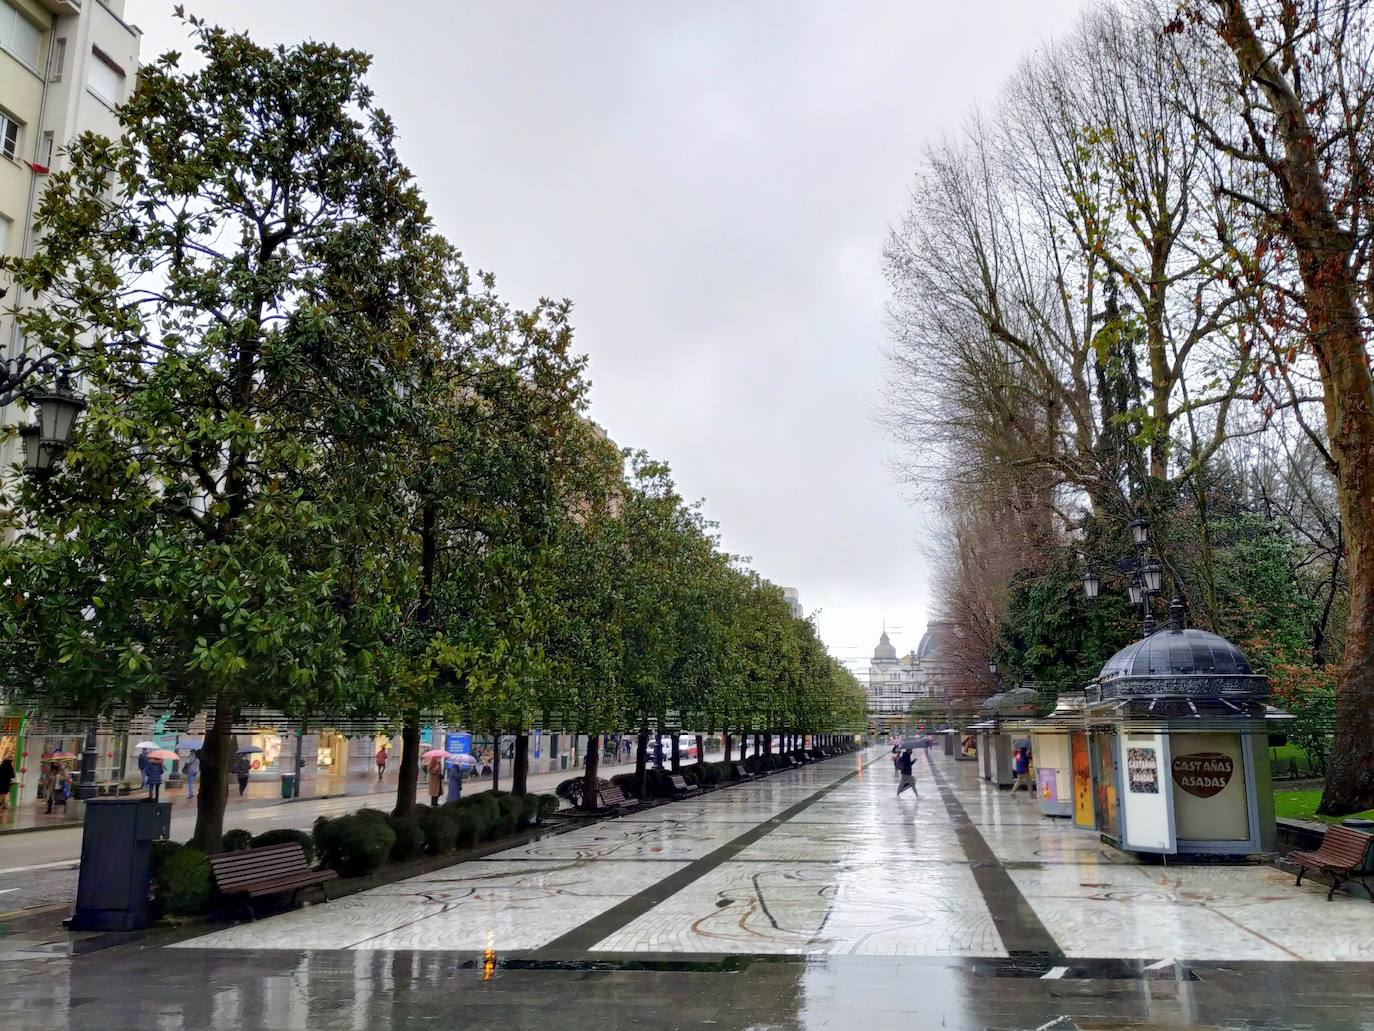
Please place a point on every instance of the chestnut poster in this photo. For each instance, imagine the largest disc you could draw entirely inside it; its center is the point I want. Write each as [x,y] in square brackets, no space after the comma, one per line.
[1209,787]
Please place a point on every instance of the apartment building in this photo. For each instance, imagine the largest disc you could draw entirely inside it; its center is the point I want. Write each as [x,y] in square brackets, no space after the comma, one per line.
[65,65]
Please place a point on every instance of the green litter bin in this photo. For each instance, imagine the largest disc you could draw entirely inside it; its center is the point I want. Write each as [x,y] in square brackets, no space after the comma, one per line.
[288,785]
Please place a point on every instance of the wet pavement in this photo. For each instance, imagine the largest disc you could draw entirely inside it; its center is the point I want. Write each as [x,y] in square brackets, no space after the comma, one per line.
[812,899]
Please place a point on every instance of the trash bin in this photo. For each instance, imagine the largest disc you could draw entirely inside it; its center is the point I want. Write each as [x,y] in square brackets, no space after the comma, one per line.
[949,742]
[288,785]
[117,863]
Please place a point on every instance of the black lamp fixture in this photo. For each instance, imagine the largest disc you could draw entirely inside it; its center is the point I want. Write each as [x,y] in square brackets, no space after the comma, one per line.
[58,409]
[1147,579]
[992,666]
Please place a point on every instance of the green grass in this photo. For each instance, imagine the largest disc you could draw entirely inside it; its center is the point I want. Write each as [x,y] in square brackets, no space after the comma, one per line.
[1302,805]
[1288,753]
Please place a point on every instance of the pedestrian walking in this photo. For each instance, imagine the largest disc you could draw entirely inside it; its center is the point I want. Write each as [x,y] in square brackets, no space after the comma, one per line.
[906,769]
[143,767]
[896,760]
[1020,768]
[154,779]
[6,782]
[381,762]
[191,768]
[242,769]
[59,787]
[436,780]
[455,782]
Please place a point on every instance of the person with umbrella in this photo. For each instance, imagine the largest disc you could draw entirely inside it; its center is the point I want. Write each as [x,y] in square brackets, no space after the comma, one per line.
[6,782]
[436,777]
[1020,768]
[242,769]
[905,767]
[190,769]
[455,780]
[59,786]
[154,775]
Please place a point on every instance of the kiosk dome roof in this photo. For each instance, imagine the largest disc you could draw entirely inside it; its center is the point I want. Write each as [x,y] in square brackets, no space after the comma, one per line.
[1174,652]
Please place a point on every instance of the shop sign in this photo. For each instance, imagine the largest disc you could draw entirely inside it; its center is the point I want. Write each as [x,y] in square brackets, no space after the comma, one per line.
[1049,784]
[1203,774]
[1142,771]
[458,744]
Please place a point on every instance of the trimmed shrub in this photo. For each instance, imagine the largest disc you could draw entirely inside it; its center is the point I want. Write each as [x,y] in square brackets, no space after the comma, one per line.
[355,845]
[571,791]
[626,783]
[511,809]
[372,814]
[409,837]
[467,831]
[531,809]
[440,830]
[548,805]
[183,886]
[287,836]
[236,840]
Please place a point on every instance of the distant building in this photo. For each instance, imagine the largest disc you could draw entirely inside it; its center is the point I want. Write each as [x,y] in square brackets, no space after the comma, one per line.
[938,671]
[793,601]
[893,682]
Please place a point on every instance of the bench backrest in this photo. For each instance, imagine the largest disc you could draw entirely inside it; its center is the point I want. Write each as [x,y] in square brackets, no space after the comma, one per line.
[678,781]
[232,869]
[613,795]
[1344,846]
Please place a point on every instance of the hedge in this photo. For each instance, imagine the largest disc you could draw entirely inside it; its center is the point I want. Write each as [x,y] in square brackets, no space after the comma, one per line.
[355,845]
[286,836]
[409,837]
[182,886]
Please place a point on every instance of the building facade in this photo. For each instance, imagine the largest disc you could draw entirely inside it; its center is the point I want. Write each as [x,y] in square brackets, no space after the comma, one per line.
[65,65]
[793,600]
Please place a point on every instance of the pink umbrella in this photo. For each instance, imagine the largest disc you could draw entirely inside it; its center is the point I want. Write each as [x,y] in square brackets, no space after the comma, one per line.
[164,754]
[434,753]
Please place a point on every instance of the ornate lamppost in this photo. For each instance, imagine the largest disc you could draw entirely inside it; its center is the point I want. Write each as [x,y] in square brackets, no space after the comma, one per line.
[1147,578]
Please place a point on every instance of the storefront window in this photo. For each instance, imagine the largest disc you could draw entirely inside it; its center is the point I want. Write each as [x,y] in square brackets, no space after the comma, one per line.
[270,743]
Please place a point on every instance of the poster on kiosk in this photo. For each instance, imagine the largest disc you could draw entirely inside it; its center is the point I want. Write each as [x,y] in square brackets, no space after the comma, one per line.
[1146,793]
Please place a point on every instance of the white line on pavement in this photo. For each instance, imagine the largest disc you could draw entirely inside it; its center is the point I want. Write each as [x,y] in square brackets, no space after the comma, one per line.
[1161,964]
[66,863]
[1054,974]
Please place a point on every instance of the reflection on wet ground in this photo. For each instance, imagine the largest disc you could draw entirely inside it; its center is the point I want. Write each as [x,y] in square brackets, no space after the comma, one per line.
[812,899]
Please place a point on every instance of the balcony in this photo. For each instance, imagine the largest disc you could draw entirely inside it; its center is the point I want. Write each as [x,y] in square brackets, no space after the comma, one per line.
[61,8]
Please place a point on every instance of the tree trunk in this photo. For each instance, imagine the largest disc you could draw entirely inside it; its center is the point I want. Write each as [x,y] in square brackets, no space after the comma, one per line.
[677,758]
[1326,262]
[520,777]
[589,779]
[658,749]
[725,743]
[408,773]
[642,763]
[496,761]
[701,749]
[768,744]
[216,761]
[756,742]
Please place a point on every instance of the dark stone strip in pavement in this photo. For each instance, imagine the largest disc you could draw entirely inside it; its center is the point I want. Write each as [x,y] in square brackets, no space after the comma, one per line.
[1021,931]
[583,937]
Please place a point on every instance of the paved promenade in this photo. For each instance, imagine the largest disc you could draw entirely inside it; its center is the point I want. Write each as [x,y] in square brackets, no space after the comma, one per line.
[811,899]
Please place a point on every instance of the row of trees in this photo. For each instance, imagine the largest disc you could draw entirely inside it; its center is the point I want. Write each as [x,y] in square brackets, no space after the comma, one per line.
[1139,285]
[326,469]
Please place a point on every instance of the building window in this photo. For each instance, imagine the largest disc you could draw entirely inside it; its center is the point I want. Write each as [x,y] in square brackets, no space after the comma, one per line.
[9,137]
[19,36]
[59,60]
[45,149]
[105,79]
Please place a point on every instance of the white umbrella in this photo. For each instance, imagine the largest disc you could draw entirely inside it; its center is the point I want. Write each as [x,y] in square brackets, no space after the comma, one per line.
[462,760]
[147,744]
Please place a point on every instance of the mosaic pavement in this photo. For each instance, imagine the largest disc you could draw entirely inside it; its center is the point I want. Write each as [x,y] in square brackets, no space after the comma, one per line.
[825,861]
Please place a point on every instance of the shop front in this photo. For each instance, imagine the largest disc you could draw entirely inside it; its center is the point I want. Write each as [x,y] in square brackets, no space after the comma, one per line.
[1178,734]
[1052,749]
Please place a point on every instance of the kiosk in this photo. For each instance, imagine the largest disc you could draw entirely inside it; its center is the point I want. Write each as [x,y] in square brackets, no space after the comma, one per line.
[1052,749]
[1010,713]
[1177,747]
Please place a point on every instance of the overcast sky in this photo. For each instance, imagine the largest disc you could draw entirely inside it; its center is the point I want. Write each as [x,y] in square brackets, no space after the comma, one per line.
[711,184]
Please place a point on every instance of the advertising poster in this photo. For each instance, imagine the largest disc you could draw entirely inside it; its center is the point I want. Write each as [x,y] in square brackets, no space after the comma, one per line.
[1082,780]
[1209,780]
[1049,784]
[1146,802]
[1142,771]
[534,742]
[458,744]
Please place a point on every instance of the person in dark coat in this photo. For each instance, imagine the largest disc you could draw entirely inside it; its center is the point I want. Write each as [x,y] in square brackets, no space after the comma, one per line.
[6,782]
[154,778]
[242,769]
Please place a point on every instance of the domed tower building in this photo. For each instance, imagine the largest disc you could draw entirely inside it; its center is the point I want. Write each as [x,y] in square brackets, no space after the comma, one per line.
[1177,746]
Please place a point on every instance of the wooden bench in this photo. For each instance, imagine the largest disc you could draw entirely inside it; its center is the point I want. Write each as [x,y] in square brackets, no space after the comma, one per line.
[255,872]
[739,772]
[1342,856]
[681,789]
[614,800]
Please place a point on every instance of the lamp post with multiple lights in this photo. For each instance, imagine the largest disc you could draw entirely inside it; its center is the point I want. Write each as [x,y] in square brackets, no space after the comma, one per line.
[1147,578]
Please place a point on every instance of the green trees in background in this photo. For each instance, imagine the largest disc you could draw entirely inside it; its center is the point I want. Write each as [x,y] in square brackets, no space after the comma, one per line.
[325,469]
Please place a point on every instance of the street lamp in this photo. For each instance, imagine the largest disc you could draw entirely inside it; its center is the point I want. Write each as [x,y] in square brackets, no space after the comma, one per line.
[45,440]
[1091,584]
[992,666]
[1140,531]
[1147,579]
